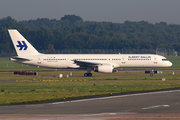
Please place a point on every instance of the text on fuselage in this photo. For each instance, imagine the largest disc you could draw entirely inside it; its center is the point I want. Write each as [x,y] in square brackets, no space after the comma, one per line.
[139,57]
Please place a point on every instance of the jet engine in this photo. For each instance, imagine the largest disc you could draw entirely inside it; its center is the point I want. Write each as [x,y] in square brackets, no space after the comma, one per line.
[104,68]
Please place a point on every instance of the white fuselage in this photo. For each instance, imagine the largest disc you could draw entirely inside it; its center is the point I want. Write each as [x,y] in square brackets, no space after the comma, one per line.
[117,60]
[104,63]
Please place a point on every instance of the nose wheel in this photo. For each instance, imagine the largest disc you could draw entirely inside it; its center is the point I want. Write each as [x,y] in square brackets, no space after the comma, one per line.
[152,72]
[87,74]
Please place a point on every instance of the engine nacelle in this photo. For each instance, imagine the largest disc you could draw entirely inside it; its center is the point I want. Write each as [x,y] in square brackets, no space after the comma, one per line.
[104,68]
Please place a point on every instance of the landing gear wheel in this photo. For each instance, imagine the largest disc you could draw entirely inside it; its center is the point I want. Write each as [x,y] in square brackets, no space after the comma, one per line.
[152,71]
[87,74]
[151,74]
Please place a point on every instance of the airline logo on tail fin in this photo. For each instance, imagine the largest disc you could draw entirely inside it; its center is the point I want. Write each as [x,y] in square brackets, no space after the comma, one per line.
[21,46]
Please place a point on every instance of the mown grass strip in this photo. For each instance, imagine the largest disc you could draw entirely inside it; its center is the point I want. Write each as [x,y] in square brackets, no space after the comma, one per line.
[24,92]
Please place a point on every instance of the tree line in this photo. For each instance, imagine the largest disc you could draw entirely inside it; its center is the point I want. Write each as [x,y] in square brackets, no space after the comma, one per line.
[71,32]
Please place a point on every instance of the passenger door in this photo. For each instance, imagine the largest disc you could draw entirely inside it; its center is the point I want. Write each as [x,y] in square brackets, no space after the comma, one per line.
[39,60]
[155,60]
[123,60]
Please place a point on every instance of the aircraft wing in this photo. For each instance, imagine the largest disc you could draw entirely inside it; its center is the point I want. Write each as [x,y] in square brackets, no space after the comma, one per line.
[85,63]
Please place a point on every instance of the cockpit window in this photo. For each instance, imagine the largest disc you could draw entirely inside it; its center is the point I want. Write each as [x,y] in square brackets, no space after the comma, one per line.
[164,59]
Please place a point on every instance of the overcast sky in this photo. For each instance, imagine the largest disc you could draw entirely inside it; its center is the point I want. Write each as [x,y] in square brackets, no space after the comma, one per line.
[118,11]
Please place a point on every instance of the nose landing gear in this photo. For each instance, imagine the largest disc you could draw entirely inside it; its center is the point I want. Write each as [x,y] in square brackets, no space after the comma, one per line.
[151,72]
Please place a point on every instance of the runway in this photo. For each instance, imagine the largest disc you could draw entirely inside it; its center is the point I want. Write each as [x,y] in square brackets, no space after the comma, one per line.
[160,102]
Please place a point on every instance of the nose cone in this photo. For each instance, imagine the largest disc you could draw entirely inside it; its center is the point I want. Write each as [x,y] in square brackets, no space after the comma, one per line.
[169,64]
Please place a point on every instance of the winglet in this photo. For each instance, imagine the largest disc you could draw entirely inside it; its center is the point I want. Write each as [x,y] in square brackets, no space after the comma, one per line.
[22,46]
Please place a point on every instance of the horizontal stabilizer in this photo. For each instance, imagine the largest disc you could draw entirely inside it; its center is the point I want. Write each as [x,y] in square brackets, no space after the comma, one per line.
[19,59]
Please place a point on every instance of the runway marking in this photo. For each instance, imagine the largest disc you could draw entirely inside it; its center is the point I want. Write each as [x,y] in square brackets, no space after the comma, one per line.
[119,96]
[99,114]
[151,107]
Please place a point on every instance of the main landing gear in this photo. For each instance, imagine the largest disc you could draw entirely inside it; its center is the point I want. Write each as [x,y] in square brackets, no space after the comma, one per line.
[87,74]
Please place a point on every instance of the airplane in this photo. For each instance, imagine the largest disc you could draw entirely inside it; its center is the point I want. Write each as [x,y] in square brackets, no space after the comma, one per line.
[103,63]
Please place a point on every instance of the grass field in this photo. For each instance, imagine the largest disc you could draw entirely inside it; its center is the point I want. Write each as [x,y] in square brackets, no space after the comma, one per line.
[25,91]
[48,85]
